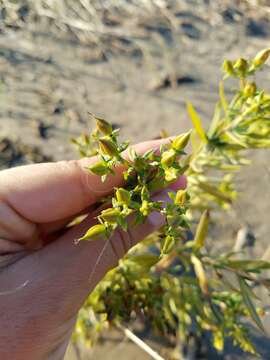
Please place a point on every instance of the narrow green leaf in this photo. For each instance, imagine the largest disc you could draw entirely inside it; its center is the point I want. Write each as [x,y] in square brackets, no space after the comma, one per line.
[201,275]
[202,230]
[196,122]
[249,265]
[245,291]
[167,245]
[211,189]
[215,121]
[235,140]
[144,260]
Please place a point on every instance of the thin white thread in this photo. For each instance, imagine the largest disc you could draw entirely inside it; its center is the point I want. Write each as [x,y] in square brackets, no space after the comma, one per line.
[98,260]
[13,291]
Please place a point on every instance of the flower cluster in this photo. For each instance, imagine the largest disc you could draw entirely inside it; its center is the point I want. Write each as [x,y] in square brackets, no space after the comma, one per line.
[144,175]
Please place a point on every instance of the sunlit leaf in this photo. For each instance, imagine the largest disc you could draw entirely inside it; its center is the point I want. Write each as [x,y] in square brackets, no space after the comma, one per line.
[245,291]
[202,230]
[147,260]
[215,192]
[249,265]
[167,245]
[200,273]
[197,123]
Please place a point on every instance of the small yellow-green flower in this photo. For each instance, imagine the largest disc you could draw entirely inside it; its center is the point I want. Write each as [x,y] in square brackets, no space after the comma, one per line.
[111,216]
[99,168]
[180,197]
[123,196]
[107,147]
[168,157]
[94,233]
[250,89]
[103,126]
[181,141]
[261,57]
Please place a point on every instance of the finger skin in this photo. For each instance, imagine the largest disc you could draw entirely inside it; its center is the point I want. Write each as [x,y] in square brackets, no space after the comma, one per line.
[47,192]
[38,198]
[58,279]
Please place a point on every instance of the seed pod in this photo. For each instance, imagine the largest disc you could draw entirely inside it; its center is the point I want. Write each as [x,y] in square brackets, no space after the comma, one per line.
[228,67]
[241,65]
[250,89]
[202,230]
[171,174]
[261,57]
[200,273]
[103,126]
[111,216]
[123,196]
[107,147]
[167,245]
[181,141]
[99,168]
[94,233]
[168,157]
[180,197]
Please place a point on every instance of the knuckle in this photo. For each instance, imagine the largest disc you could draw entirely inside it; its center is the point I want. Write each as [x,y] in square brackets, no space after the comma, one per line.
[81,177]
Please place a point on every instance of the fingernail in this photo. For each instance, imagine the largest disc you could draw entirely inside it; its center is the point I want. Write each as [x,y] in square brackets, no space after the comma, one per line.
[160,142]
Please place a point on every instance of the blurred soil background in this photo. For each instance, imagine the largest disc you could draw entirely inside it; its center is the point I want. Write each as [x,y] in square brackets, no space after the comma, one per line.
[135,63]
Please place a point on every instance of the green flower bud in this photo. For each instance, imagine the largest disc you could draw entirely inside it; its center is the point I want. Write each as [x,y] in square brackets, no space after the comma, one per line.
[123,196]
[180,197]
[145,209]
[261,57]
[99,168]
[202,230]
[167,245]
[228,67]
[94,233]
[181,141]
[107,147]
[168,157]
[201,275]
[111,216]
[241,65]
[250,89]
[103,126]
[171,174]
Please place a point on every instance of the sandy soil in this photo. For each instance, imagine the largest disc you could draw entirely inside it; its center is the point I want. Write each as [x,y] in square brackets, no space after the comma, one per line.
[50,79]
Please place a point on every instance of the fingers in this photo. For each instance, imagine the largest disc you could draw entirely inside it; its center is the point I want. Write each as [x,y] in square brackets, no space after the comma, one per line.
[53,283]
[71,271]
[43,193]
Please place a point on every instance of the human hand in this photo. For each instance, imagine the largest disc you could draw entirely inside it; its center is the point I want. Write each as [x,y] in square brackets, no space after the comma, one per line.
[44,277]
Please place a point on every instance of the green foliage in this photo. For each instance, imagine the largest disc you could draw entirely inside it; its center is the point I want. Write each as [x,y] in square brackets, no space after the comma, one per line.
[174,283]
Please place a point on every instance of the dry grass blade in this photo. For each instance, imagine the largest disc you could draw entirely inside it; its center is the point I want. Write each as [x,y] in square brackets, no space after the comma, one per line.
[141,344]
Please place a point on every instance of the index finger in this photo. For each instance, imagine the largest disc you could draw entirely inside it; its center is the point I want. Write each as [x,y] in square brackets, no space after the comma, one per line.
[49,192]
